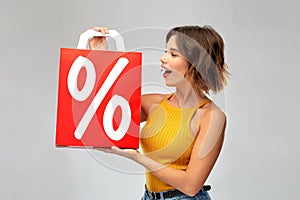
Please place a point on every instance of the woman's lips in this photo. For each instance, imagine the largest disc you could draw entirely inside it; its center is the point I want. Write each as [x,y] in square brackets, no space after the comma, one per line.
[165,72]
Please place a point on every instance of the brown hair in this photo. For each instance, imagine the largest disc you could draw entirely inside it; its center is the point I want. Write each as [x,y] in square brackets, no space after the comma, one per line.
[203,48]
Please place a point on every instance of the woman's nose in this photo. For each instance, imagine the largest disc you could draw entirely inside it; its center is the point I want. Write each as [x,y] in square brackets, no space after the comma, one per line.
[163,58]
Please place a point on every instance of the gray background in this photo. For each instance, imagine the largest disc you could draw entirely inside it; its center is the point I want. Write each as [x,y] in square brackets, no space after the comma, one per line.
[259,159]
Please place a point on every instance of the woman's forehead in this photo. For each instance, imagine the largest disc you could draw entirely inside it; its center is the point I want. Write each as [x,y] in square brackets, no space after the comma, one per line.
[171,44]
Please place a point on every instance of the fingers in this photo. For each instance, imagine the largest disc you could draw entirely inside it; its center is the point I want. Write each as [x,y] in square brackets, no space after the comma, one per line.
[112,149]
[115,148]
[106,150]
[99,42]
[103,30]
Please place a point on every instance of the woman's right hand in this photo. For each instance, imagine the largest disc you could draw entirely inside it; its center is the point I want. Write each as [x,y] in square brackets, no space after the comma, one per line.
[99,42]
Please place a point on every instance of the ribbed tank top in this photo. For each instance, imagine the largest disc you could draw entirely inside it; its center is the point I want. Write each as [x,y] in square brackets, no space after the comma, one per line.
[167,139]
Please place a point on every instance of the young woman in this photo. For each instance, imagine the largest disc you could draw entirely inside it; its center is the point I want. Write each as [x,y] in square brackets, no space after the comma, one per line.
[184,131]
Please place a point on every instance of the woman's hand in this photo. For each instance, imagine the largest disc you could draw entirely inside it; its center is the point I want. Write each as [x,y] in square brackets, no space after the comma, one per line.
[128,153]
[99,42]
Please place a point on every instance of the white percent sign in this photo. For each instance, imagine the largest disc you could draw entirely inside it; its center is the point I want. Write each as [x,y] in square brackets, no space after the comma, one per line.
[114,102]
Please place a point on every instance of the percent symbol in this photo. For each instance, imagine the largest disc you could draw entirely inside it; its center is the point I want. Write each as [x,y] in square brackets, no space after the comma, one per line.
[114,102]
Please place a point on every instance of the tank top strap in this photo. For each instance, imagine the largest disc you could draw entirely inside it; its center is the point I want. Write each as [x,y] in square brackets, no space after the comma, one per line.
[202,103]
[193,110]
[168,96]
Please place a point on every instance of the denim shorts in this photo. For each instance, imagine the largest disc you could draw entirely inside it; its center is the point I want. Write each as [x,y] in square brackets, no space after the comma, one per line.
[201,195]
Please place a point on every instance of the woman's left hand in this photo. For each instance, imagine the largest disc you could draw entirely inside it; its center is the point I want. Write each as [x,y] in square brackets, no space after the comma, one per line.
[128,153]
[99,42]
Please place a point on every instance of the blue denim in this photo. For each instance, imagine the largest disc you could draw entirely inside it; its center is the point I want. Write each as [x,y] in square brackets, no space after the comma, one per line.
[201,195]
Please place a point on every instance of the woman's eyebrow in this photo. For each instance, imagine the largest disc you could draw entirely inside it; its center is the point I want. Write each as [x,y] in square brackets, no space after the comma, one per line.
[173,49]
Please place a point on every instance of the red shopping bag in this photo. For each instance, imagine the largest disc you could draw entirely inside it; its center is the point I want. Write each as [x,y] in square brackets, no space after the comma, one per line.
[99,96]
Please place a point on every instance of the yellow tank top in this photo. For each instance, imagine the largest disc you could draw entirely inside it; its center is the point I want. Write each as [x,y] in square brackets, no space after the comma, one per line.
[167,139]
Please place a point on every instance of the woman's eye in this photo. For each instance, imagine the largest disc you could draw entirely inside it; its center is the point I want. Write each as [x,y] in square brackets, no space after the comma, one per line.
[172,53]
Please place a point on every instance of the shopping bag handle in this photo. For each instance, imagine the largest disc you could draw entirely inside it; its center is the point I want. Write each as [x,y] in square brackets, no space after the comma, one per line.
[85,36]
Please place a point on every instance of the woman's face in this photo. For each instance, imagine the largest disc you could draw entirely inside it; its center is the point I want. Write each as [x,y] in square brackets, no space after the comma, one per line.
[174,65]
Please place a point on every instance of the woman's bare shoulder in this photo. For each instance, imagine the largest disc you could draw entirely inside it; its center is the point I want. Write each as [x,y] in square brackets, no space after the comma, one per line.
[154,98]
[213,111]
[149,100]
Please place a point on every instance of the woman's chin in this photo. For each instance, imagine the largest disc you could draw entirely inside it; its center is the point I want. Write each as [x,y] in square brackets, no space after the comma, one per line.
[167,83]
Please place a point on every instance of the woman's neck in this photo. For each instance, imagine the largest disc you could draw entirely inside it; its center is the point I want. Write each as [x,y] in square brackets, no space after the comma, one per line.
[186,97]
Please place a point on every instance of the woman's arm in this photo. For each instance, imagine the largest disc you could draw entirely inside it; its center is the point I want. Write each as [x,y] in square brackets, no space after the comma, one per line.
[148,102]
[204,155]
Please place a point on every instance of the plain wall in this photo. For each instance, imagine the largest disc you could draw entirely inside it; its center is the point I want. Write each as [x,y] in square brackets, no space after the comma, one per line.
[260,158]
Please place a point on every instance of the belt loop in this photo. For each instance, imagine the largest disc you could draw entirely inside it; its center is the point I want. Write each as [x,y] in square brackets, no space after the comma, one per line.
[206,187]
[154,195]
